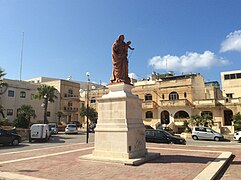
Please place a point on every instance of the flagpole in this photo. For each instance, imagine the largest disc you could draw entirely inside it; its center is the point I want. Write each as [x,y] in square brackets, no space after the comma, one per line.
[21,58]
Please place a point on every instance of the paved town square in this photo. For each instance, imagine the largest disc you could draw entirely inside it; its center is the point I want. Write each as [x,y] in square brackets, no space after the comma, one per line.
[60,159]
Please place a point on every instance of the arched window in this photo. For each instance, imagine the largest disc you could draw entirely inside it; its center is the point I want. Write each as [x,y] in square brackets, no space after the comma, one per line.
[173,96]
[181,115]
[149,114]
[148,97]
[165,117]
[163,97]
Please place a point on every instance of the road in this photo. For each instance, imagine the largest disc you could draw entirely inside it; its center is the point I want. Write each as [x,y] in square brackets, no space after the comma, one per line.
[61,139]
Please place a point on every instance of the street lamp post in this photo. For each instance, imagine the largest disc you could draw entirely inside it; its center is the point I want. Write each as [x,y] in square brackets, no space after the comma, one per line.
[87,110]
[45,105]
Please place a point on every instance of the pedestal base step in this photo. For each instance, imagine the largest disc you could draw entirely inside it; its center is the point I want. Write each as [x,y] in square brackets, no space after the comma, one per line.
[132,162]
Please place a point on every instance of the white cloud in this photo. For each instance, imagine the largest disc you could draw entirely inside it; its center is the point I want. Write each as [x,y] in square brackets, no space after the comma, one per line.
[188,62]
[232,42]
[133,75]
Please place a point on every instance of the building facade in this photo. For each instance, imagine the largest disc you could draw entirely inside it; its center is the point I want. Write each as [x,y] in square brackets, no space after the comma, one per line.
[170,100]
[20,93]
[69,102]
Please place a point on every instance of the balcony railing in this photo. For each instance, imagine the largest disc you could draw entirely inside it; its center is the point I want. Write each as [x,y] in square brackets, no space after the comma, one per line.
[230,101]
[205,102]
[66,95]
[178,102]
[149,105]
[67,108]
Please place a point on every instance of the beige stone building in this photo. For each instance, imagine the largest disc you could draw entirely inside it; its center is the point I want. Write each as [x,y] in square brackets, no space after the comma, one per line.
[170,100]
[166,99]
[20,93]
[69,102]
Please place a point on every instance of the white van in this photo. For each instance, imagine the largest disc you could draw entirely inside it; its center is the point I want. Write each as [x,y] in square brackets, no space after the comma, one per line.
[39,131]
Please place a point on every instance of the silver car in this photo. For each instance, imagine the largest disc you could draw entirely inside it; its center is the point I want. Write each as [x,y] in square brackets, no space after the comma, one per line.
[206,133]
[71,129]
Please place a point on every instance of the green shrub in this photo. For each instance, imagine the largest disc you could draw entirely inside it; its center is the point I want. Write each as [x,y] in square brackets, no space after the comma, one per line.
[4,122]
[21,122]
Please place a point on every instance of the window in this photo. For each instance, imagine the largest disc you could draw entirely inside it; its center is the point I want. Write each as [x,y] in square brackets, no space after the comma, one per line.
[48,113]
[150,133]
[181,115]
[226,76]
[207,114]
[202,129]
[93,100]
[9,112]
[230,95]
[163,97]
[10,93]
[148,97]
[173,96]
[70,93]
[232,76]
[160,134]
[22,94]
[70,104]
[238,75]
[185,95]
[149,114]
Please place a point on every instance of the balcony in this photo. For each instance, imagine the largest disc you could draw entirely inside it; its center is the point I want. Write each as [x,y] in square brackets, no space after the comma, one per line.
[70,96]
[178,102]
[149,105]
[205,103]
[230,101]
[72,109]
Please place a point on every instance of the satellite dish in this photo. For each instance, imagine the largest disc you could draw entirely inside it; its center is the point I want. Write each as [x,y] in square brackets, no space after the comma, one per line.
[69,77]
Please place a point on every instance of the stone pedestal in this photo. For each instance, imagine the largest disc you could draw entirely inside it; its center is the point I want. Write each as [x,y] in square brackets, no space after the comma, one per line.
[120,132]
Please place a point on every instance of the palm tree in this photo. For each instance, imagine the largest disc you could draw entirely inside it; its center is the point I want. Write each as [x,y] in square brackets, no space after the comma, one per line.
[2,84]
[197,120]
[92,114]
[48,94]
[2,111]
[59,115]
[237,121]
[24,115]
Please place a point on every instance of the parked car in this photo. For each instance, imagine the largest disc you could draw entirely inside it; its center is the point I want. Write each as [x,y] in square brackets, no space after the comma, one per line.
[39,132]
[206,133]
[7,138]
[92,127]
[148,127]
[71,129]
[161,136]
[53,128]
[237,136]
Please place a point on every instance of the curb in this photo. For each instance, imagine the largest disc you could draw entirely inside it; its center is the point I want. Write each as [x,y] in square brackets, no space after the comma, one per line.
[213,169]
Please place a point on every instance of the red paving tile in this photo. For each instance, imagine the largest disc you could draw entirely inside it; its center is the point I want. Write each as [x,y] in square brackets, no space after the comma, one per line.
[173,164]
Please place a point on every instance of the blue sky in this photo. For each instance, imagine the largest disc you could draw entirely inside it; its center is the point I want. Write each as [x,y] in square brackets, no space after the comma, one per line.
[70,37]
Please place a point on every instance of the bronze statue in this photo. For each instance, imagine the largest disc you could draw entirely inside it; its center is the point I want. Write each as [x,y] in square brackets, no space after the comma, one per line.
[120,60]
